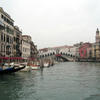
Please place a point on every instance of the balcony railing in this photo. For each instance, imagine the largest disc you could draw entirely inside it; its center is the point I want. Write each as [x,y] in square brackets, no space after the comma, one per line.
[2,26]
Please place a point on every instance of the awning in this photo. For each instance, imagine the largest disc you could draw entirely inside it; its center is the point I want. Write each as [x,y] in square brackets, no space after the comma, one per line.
[4,58]
[16,58]
[31,58]
[13,58]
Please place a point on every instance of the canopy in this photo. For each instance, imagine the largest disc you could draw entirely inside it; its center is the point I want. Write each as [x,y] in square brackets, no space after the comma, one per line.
[6,58]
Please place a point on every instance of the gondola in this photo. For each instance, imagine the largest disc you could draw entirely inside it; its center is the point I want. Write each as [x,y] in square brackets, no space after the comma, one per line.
[10,70]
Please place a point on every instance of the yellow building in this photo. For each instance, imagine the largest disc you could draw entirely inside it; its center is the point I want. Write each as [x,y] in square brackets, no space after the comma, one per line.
[96,46]
[93,51]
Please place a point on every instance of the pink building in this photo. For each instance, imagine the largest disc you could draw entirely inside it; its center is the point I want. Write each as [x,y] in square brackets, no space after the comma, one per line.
[85,50]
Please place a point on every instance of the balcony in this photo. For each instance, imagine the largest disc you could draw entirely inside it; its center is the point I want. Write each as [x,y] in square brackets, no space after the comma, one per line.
[2,27]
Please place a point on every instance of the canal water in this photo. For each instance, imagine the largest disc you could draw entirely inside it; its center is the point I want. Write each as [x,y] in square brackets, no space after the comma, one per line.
[64,81]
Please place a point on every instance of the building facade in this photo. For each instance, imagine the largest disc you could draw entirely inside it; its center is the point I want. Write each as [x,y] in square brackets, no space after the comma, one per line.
[17,43]
[85,51]
[29,49]
[34,51]
[26,47]
[6,35]
[14,45]
[96,46]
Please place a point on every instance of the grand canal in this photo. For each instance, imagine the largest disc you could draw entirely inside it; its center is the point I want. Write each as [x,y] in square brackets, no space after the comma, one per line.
[64,81]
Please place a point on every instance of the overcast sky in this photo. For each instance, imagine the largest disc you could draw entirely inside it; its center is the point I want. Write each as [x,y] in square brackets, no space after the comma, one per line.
[55,22]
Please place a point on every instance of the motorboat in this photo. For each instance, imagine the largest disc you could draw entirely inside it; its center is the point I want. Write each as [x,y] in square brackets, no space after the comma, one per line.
[35,67]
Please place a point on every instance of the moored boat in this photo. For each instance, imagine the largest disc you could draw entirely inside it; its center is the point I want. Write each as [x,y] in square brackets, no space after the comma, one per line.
[10,69]
[46,64]
[35,67]
[26,69]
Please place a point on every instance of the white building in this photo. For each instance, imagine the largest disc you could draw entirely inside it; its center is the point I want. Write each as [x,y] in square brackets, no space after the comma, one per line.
[26,47]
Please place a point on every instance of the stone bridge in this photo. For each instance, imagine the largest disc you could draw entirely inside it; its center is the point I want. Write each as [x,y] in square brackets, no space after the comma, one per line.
[60,57]
[65,57]
[63,54]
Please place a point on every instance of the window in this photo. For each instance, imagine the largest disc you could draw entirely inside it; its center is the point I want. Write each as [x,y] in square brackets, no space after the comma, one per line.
[4,48]
[8,30]
[1,37]
[4,37]
[2,16]
[14,46]
[1,48]
[7,38]
[5,19]
[23,49]
[14,38]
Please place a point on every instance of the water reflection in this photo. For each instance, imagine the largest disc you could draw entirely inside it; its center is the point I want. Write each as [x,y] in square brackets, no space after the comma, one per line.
[12,87]
[93,97]
[64,81]
[41,70]
[9,87]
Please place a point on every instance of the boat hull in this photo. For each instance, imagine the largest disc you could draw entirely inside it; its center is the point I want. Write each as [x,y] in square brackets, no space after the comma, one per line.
[35,67]
[26,69]
[11,70]
[46,65]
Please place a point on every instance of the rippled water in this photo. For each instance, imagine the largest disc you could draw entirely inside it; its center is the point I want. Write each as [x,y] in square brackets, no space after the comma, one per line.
[64,81]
